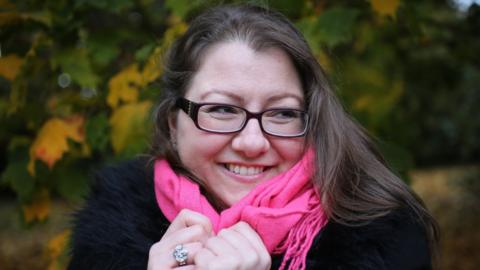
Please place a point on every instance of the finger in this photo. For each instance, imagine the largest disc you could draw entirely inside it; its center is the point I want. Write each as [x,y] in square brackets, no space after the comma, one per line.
[220,247]
[185,267]
[249,255]
[187,218]
[192,250]
[165,258]
[194,233]
[249,233]
[203,258]
[254,240]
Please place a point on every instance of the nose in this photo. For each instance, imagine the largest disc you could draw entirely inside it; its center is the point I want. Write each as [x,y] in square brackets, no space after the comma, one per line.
[251,141]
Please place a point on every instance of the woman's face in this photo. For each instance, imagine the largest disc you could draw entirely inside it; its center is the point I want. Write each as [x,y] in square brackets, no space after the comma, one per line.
[231,165]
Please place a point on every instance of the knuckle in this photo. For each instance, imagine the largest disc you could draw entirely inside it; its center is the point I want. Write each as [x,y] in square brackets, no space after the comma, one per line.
[184,212]
[227,262]
[242,225]
[155,248]
[252,259]
[196,229]
[211,242]
[234,260]
[223,232]
[199,257]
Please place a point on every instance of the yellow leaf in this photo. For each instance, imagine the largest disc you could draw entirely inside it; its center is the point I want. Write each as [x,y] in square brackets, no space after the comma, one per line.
[124,86]
[52,140]
[38,209]
[173,32]
[126,122]
[55,248]
[152,69]
[385,7]
[57,244]
[10,66]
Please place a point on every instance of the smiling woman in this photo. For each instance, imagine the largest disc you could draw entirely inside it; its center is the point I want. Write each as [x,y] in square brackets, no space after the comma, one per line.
[254,166]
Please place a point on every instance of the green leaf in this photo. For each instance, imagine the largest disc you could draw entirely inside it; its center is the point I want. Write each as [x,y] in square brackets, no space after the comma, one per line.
[71,181]
[97,130]
[142,54]
[76,63]
[181,8]
[290,8]
[336,25]
[16,175]
[103,49]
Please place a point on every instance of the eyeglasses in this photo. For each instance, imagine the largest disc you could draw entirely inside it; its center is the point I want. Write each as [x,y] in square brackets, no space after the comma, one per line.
[225,118]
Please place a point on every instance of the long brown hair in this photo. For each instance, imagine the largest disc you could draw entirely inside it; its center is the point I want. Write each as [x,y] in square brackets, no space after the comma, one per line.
[354,182]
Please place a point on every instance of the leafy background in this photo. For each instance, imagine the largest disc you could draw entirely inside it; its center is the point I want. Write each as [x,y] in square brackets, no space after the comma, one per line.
[78,80]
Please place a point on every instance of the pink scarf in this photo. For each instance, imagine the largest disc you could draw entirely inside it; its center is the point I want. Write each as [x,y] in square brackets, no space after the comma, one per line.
[285,210]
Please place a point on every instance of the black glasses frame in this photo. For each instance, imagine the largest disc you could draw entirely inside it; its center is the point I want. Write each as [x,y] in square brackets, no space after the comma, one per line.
[191,109]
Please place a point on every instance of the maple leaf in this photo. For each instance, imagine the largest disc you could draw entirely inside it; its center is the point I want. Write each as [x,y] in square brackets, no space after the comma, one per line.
[128,123]
[124,86]
[38,209]
[52,140]
[10,66]
[385,7]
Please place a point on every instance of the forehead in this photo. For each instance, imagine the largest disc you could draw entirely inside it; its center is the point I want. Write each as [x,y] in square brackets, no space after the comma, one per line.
[235,68]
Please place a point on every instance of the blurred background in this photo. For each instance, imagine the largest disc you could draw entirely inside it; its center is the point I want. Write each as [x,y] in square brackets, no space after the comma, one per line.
[78,80]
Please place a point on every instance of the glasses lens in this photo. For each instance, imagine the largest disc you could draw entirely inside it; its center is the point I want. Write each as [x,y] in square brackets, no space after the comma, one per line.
[221,118]
[284,122]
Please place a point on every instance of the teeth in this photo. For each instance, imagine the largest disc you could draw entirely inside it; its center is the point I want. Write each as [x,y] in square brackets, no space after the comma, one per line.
[244,170]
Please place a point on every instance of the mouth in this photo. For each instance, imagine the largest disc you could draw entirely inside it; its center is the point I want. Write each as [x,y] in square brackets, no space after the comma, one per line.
[244,170]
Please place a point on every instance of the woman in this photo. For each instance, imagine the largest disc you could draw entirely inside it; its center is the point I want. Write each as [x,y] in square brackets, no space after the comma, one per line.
[256,166]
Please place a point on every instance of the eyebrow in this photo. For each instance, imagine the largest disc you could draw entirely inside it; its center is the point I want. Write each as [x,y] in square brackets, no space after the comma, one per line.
[224,93]
[241,99]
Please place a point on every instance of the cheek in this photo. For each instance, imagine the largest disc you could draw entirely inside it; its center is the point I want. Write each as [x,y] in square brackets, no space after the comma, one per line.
[290,150]
[195,146]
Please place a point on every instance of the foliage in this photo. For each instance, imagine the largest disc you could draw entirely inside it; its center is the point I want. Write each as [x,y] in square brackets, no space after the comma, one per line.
[77,81]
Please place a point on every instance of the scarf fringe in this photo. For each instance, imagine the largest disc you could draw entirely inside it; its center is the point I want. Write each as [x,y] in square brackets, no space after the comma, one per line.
[300,239]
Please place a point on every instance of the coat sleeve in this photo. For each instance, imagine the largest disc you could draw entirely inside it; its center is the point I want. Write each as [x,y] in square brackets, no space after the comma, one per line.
[396,241]
[119,221]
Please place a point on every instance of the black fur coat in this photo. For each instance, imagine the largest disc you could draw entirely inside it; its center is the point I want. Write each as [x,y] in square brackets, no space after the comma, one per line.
[121,220]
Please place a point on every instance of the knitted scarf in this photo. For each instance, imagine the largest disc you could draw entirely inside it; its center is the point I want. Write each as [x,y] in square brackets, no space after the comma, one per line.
[285,210]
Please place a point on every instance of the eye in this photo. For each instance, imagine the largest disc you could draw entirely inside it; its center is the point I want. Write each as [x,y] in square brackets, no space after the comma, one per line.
[283,114]
[221,112]
[221,109]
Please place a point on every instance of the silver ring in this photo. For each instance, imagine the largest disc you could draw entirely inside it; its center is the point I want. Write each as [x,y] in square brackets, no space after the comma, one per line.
[180,254]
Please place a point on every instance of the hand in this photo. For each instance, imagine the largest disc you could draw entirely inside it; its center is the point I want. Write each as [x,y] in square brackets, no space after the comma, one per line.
[189,229]
[238,247]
